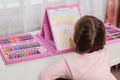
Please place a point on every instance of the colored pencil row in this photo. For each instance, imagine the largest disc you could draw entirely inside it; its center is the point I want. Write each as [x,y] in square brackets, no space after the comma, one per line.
[116,35]
[20,54]
[109,38]
[16,39]
[108,28]
[19,47]
[113,36]
[113,31]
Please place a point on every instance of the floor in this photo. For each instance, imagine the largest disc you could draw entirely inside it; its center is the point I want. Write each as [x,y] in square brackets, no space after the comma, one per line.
[116,71]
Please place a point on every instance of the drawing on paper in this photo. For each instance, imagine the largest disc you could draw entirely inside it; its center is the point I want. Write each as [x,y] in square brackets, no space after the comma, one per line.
[62,22]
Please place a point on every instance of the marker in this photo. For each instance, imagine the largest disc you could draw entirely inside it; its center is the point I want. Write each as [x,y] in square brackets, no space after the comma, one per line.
[19,54]
[28,52]
[15,55]
[6,57]
[32,52]
[12,40]
[11,55]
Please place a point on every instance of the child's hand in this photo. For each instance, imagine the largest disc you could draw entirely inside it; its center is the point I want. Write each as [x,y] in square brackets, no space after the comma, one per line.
[72,43]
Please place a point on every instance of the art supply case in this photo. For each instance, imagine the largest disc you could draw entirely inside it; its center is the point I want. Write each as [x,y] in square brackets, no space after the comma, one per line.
[21,48]
[26,47]
[112,34]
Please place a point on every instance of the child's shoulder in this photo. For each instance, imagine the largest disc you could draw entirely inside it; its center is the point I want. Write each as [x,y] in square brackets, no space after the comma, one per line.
[85,59]
[74,55]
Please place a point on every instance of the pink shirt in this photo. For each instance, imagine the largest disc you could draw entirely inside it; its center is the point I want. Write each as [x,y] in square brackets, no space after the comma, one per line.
[75,66]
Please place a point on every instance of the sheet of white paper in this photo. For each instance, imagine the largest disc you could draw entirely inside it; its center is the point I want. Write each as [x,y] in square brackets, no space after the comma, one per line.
[62,22]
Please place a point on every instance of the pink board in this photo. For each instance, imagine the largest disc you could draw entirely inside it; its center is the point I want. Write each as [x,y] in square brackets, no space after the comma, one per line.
[58,26]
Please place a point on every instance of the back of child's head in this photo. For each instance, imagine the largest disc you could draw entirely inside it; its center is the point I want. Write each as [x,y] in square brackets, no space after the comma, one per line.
[89,35]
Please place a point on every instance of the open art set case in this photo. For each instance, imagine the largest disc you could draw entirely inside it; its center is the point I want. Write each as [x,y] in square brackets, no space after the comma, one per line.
[112,34]
[57,28]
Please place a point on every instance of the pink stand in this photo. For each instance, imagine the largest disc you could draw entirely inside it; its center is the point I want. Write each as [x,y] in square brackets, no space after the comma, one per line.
[46,35]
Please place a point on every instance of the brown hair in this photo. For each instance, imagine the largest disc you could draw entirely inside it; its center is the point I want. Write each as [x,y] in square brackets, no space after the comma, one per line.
[89,35]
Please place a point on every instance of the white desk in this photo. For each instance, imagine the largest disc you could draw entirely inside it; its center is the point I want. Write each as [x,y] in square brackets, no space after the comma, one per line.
[30,70]
[114,53]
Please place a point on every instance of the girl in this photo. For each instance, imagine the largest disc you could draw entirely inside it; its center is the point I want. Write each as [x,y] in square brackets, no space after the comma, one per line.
[90,60]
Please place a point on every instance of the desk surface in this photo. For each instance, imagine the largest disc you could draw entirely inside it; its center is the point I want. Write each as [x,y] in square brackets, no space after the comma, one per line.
[30,70]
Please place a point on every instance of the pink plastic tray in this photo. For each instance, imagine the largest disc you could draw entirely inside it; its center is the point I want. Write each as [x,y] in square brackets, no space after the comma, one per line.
[113,34]
[22,48]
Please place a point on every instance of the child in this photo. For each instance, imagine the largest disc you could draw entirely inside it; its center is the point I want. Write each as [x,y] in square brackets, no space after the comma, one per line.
[89,61]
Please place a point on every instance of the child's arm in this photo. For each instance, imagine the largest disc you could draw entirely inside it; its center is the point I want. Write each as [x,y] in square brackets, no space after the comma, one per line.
[58,70]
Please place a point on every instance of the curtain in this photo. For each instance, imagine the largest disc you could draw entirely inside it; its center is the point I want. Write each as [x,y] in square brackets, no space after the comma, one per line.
[95,7]
[113,12]
[19,16]
[22,16]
